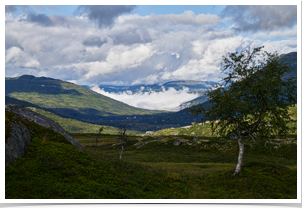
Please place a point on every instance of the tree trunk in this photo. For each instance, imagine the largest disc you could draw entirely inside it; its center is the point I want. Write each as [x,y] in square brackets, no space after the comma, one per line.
[240,156]
[122,150]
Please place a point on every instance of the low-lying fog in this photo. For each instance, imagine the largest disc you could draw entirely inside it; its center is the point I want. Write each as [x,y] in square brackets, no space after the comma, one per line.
[165,100]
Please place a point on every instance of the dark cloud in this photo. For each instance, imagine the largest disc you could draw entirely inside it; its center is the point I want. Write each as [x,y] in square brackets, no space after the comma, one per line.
[94,42]
[11,41]
[40,19]
[10,8]
[49,21]
[104,15]
[261,17]
[132,36]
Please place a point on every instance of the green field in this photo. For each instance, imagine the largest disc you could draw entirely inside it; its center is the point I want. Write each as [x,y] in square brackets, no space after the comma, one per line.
[53,168]
[151,167]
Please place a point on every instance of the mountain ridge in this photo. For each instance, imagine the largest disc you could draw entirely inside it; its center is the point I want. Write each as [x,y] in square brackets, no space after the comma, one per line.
[67,98]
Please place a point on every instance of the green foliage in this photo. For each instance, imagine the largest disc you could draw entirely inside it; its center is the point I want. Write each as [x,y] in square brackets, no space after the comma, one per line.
[253,98]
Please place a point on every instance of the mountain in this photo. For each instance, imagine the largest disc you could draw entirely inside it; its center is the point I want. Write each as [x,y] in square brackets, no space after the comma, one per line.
[67,99]
[194,86]
[291,60]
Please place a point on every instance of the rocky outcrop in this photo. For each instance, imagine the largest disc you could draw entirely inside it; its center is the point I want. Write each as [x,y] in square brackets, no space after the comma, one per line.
[19,138]
[17,143]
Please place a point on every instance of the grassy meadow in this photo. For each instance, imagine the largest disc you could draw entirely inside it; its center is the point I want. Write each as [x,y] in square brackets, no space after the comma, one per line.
[151,167]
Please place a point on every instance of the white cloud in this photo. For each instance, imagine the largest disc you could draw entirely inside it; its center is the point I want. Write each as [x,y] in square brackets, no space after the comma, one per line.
[188,17]
[136,49]
[125,56]
[15,57]
[166,100]
[276,34]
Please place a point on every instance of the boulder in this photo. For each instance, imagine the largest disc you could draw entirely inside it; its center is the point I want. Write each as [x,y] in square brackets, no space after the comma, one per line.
[17,143]
[176,143]
[195,139]
[20,138]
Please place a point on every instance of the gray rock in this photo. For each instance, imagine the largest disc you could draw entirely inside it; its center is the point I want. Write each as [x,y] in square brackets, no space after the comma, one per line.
[41,120]
[195,139]
[17,143]
[154,140]
[176,143]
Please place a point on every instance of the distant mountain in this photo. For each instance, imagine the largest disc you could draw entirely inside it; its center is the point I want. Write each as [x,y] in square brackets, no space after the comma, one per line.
[291,60]
[194,86]
[67,99]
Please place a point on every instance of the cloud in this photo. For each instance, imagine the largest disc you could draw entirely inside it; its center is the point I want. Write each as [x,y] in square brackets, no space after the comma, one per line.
[15,57]
[277,34]
[10,8]
[134,50]
[94,42]
[165,100]
[188,17]
[104,15]
[261,17]
[41,19]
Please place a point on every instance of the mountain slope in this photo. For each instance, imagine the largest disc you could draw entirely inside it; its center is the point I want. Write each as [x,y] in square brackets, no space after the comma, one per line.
[67,99]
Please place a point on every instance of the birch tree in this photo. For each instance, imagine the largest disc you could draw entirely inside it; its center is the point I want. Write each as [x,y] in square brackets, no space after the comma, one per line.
[252,100]
[123,137]
[96,139]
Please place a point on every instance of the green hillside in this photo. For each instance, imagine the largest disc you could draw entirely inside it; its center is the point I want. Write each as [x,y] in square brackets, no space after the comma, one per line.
[55,169]
[67,99]
[75,126]
[204,129]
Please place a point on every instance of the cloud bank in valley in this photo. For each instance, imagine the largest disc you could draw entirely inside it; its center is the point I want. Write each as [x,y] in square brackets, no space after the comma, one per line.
[165,100]
[110,44]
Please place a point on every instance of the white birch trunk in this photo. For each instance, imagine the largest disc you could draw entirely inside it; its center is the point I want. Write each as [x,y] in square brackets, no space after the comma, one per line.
[122,150]
[240,156]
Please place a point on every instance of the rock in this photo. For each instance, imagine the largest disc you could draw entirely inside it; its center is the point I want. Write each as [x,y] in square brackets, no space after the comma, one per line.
[41,120]
[195,139]
[17,143]
[176,143]
[154,140]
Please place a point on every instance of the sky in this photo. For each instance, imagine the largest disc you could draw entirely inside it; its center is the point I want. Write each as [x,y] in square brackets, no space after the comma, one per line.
[140,44]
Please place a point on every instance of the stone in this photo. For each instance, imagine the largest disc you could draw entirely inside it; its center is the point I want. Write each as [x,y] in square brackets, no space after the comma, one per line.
[195,139]
[17,143]
[176,143]
[41,120]
[154,140]
[19,138]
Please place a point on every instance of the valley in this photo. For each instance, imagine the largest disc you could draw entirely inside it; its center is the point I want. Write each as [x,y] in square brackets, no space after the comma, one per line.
[168,155]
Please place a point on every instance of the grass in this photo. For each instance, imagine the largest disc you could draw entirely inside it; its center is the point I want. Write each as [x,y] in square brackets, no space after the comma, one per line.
[53,168]
[206,167]
[76,126]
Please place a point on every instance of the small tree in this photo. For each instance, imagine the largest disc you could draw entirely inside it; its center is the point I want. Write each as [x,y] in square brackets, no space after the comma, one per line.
[252,101]
[123,137]
[96,139]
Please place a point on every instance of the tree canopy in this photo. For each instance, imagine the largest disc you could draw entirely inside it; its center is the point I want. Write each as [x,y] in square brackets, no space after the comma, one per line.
[253,99]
